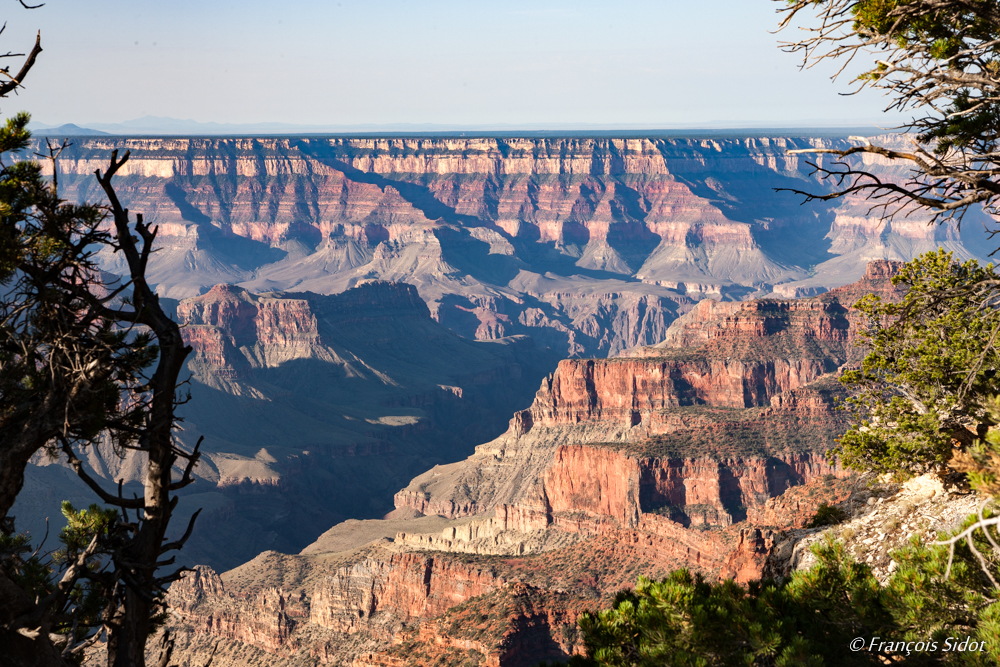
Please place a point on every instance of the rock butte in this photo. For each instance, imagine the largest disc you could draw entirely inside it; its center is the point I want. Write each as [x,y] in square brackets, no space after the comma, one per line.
[695,452]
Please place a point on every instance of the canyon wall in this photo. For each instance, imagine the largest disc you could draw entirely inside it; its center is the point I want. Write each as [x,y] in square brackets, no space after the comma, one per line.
[699,491]
[404,586]
[314,409]
[321,406]
[589,245]
[264,620]
[746,386]
[696,452]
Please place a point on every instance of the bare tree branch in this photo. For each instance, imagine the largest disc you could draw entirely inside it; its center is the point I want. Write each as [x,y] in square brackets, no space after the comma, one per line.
[15,81]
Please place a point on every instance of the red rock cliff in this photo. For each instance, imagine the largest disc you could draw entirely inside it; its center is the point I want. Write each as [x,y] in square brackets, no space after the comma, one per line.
[745,384]
[399,587]
[732,354]
[282,326]
[612,483]
[265,619]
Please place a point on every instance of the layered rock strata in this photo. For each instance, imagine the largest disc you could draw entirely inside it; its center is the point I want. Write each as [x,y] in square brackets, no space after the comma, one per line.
[695,453]
[748,383]
[591,245]
[403,586]
[317,408]
[264,620]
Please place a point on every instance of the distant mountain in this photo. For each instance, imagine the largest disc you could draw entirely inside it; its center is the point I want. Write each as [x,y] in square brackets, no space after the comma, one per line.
[162,125]
[67,130]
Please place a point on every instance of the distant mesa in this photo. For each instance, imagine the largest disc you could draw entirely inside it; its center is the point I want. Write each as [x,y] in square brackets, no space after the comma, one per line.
[167,126]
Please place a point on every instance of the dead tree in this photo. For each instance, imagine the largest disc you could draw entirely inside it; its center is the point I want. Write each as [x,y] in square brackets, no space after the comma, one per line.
[74,357]
[140,557]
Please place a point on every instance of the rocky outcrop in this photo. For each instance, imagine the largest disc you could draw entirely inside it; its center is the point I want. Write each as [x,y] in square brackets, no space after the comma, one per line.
[626,390]
[394,589]
[512,531]
[277,327]
[747,561]
[699,491]
[741,384]
[796,507]
[753,322]
[376,596]
[265,619]
[877,280]
[879,520]
[728,354]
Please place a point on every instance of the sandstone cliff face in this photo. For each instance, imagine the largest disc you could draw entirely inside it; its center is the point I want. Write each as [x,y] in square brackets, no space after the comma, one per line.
[700,491]
[876,280]
[729,354]
[264,620]
[746,383]
[626,390]
[276,328]
[228,318]
[514,626]
[714,321]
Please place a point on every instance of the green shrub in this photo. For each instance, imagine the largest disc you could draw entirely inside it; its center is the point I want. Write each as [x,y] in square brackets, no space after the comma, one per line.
[809,619]
[929,371]
[827,515]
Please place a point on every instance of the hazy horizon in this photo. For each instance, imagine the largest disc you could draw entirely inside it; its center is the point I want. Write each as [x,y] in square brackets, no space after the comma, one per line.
[152,125]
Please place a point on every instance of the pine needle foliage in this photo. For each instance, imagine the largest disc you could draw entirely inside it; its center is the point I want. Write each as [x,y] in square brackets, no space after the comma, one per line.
[930,371]
[88,540]
[809,619]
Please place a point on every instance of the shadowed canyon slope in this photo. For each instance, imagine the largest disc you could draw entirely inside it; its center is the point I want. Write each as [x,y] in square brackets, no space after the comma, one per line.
[689,453]
[589,245]
[316,409]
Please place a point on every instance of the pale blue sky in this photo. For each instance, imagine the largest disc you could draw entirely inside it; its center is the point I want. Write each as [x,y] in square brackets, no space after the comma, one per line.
[628,62]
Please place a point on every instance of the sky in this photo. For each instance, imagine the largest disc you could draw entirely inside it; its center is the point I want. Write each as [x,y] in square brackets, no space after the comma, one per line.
[545,63]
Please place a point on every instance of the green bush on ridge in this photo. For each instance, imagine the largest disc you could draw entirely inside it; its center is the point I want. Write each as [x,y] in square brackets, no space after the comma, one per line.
[811,618]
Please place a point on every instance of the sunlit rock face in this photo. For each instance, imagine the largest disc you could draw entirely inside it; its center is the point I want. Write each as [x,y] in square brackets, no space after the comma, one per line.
[589,245]
[698,452]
